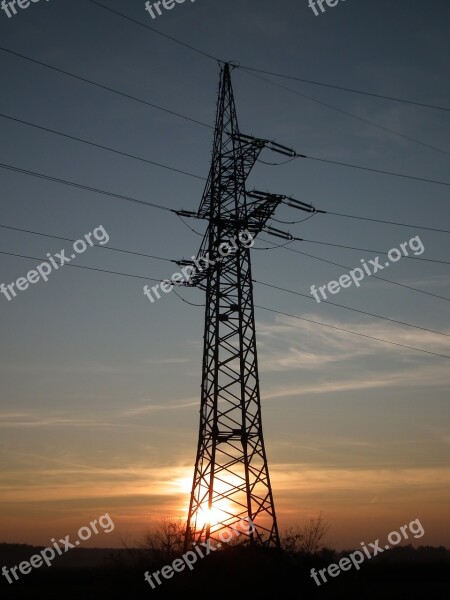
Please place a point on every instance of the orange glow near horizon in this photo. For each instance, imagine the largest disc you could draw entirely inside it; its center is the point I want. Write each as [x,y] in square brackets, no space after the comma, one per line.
[354,501]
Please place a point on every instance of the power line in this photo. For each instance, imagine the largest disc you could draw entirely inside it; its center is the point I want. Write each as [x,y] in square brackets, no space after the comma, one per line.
[153,205]
[58,237]
[330,262]
[189,227]
[164,35]
[246,68]
[47,235]
[363,312]
[105,87]
[81,267]
[81,186]
[295,222]
[349,331]
[274,246]
[373,220]
[335,214]
[278,164]
[348,165]
[379,171]
[186,301]
[256,306]
[442,262]
[95,145]
[139,158]
[345,89]
[188,173]
[351,115]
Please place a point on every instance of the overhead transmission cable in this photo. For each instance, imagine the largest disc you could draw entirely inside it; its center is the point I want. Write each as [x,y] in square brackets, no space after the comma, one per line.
[323,160]
[336,214]
[81,186]
[363,312]
[348,114]
[433,260]
[248,68]
[81,267]
[108,148]
[256,306]
[129,199]
[346,89]
[330,262]
[52,236]
[66,239]
[182,172]
[279,312]
[105,87]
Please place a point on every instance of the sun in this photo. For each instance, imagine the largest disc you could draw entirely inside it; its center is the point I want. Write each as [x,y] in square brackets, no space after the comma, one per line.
[211,516]
[219,516]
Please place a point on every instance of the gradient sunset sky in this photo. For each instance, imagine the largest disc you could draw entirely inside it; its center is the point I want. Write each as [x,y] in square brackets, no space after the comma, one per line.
[99,388]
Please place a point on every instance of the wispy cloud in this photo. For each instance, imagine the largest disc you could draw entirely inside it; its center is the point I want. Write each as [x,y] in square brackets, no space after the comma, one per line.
[149,408]
[408,378]
[47,418]
[293,344]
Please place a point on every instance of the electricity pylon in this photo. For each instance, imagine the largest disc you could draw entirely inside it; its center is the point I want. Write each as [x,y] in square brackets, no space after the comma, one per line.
[231,476]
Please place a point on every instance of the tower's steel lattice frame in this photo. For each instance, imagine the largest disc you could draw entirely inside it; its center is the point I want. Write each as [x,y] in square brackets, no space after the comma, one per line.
[231,477]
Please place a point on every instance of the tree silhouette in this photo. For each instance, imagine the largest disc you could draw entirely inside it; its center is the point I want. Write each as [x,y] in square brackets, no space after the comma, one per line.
[307,539]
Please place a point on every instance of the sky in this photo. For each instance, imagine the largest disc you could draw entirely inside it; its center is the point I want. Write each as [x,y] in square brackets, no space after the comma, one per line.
[99,387]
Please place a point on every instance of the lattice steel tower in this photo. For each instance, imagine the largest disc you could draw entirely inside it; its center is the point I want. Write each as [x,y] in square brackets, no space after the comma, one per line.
[231,477]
